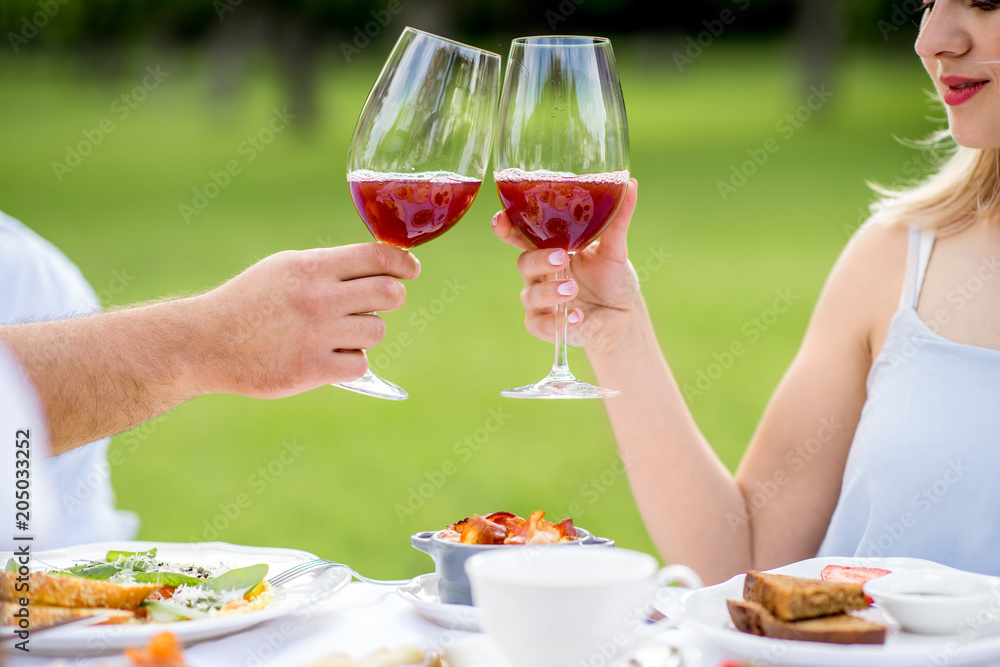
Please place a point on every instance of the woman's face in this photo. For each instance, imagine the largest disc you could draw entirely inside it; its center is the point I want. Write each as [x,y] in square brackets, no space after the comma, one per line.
[959,44]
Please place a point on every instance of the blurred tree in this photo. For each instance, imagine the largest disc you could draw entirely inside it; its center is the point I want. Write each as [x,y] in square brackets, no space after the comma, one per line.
[819,34]
[289,29]
[298,31]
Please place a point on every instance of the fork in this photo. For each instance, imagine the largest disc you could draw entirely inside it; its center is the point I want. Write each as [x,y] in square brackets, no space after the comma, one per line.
[297,571]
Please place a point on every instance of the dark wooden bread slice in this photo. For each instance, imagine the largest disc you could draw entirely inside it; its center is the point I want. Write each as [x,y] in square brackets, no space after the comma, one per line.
[795,598]
[754,619]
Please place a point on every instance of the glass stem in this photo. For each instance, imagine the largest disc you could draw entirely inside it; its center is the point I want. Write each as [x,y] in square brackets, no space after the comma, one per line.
[560,366]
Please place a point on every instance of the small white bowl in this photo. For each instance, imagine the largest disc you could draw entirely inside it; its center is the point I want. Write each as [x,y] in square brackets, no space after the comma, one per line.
[935,601]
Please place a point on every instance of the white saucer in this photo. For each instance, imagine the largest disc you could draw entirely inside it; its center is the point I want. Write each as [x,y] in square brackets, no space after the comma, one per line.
[422,593]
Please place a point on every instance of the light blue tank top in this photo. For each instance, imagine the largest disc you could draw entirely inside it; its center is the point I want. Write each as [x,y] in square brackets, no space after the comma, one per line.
[923,474]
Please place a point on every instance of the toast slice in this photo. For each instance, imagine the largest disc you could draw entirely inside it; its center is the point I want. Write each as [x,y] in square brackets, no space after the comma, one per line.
[754,619]
[795,598]
[68,591]
[43,616]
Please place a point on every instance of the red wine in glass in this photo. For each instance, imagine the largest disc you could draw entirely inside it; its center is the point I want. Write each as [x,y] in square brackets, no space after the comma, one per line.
[565,211]
[421,147]
[406,210]
[561,163]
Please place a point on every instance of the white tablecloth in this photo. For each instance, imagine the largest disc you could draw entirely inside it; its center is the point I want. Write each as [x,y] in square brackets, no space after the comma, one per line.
[357,621]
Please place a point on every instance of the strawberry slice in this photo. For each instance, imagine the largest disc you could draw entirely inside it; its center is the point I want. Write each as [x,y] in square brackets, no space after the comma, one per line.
[852,575]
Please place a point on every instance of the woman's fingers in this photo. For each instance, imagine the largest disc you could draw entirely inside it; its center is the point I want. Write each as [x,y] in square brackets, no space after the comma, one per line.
[546,295]
[542,325]
[537,265]
[503,228]
[614,240]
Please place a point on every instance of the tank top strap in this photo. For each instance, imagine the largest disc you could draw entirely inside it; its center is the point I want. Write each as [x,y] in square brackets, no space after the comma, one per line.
[918,255]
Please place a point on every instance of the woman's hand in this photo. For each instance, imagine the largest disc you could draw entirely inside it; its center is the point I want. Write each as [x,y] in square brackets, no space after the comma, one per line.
[601,291]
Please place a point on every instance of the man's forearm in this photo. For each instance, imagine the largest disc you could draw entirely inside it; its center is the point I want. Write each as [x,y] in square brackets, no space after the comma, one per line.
[287,324]
[103,374]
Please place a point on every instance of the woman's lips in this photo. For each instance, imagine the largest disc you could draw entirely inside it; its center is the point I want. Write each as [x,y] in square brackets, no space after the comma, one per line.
[960,90]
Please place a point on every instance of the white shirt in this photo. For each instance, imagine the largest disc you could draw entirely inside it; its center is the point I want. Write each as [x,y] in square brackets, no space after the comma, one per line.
[921,476]
[38,283]
[23,429]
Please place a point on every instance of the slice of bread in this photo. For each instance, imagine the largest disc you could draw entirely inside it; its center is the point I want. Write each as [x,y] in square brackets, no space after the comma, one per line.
[42,616]
[68,591]
[754,619]
[795,598]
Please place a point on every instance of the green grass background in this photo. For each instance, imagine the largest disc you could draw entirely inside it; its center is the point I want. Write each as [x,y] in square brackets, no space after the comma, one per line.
[118,211]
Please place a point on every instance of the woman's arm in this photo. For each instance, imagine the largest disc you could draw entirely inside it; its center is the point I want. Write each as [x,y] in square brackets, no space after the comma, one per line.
[777,507]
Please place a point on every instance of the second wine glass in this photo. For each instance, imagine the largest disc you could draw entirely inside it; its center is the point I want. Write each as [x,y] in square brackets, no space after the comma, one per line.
[561,163]
[421,147]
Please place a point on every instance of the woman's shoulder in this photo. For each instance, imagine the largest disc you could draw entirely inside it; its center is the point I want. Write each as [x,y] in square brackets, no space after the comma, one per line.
[878,246]
[867,279]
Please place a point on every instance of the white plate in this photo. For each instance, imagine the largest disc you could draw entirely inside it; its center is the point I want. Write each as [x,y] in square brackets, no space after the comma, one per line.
[705,611]
[300,594]
[422,593]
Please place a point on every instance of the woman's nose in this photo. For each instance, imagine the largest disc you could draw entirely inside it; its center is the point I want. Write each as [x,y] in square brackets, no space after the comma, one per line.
[943,33]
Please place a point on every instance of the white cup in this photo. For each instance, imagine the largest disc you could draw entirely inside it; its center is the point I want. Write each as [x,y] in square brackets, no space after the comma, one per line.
[566,607]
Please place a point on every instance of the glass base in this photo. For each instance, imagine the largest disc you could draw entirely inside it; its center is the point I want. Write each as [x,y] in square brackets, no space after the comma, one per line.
[559,385]
[370,384]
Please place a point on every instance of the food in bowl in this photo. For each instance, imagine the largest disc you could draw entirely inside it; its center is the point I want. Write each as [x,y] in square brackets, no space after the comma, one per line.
[507,528]
[452,546]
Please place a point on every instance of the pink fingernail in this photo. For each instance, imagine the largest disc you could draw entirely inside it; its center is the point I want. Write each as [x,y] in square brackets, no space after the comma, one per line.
[496,218]
[557,257]
[574,316]
[567,288]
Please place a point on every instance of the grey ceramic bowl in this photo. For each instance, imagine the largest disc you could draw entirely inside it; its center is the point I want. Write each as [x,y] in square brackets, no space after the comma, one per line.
[449,559]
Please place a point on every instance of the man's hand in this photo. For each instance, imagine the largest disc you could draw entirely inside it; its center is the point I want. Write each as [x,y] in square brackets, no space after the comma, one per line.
[292,322]
[297,320]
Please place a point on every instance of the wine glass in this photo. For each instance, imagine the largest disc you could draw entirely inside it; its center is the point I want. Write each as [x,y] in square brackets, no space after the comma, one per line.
[420,149]
[561,162]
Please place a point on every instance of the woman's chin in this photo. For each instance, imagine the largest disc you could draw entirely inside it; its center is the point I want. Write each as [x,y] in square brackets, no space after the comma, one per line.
[983,138]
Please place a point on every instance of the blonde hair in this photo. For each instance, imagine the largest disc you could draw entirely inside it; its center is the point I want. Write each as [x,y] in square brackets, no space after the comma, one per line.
[965,186]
